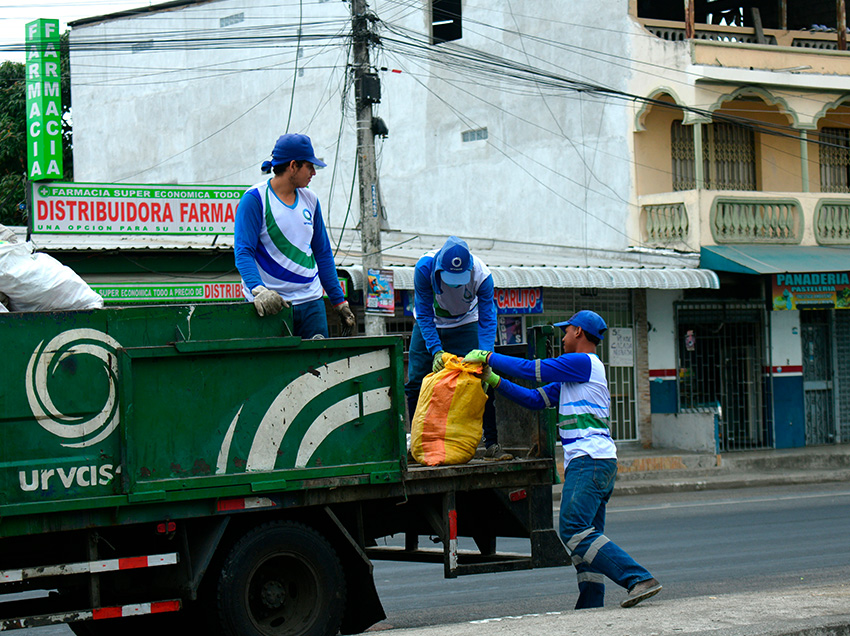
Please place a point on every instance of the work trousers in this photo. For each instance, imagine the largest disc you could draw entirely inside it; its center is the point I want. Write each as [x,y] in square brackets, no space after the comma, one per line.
[310,320]
[588,484]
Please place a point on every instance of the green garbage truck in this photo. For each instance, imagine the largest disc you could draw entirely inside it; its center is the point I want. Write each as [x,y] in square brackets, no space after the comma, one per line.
[185,466]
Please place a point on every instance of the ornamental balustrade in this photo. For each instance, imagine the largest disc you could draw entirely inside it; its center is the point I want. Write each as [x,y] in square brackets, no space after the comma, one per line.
[665,223]
[832,222]
[740,220]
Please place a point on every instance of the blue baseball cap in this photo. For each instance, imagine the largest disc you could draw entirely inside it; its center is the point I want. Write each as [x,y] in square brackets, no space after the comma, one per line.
[454,262]
[589,321]
[292,147]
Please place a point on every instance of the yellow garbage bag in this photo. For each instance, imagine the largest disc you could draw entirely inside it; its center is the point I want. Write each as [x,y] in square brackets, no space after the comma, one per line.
[447,424]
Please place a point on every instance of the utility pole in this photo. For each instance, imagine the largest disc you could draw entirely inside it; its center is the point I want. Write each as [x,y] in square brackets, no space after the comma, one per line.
[367,91]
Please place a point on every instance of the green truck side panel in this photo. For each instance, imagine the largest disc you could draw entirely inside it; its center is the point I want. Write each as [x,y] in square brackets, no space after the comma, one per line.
[127,406]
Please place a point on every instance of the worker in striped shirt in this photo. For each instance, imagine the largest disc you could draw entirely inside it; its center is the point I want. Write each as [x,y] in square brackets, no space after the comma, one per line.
[577,386]
[281,245]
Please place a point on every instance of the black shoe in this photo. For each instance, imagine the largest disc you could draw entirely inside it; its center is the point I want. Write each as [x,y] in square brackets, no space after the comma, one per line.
[641,592]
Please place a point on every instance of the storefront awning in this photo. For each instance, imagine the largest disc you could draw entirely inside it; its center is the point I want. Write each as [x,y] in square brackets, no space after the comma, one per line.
[573,277]
[774,259]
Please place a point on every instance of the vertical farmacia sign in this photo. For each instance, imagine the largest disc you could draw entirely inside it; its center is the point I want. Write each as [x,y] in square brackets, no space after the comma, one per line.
[44,101]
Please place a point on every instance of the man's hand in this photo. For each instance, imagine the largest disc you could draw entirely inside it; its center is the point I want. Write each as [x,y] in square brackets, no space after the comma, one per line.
[267,302]
[438,362]
[346,317]
[478,355]
[489,376]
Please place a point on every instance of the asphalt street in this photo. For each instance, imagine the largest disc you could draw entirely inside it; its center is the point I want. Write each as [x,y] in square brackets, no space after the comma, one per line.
[752,543]
[699,544]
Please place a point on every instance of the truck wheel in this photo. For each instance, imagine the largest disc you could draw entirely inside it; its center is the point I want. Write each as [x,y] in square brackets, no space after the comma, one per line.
[281,579]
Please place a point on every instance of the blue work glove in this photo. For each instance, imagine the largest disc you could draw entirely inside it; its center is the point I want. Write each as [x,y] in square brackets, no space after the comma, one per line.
[478,355]
[438,362]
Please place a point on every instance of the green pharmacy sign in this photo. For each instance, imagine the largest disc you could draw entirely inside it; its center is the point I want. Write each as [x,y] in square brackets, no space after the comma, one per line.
[44,101]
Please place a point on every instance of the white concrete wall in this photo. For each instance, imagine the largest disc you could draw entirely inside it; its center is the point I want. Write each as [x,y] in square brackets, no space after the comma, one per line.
[684,431]
[555,170]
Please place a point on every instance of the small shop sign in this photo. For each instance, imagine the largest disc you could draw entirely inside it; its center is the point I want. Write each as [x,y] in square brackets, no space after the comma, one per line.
[818,290]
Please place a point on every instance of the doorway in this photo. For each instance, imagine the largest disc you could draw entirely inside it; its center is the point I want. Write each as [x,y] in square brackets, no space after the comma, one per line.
[818,376]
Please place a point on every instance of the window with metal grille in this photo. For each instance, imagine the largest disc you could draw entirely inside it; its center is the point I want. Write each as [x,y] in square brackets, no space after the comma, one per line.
[445,21]
[473,135]
[835,160]
[721,360]
[729,156]
[682,146]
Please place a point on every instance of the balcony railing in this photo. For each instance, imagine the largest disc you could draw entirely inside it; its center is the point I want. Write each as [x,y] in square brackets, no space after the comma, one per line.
[666,223]
[744,220]
[686,220]
[674,31]
[832,222]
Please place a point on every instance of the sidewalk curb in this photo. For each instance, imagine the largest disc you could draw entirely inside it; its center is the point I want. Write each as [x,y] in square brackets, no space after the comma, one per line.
[720,482]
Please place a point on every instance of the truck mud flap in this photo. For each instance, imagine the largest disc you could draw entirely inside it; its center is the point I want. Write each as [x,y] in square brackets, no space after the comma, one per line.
[101,613]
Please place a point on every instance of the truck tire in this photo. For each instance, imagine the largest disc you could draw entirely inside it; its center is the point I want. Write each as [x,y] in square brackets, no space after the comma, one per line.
[281,579]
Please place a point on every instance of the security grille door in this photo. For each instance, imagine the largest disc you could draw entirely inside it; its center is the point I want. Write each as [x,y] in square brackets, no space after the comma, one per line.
[817,377]
[841,348]
[721,355]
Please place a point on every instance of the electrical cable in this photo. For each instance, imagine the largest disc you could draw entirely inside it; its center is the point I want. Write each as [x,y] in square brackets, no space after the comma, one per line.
[297,55]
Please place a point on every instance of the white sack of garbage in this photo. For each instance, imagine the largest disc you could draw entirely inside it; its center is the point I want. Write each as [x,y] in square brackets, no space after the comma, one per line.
[38,282]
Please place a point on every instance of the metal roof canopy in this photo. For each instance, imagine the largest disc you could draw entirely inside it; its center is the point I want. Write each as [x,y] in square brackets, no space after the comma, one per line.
[572,277]
[774,259]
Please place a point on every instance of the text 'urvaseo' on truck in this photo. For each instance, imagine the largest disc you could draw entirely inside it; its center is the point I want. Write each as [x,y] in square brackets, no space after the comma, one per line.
[171,467]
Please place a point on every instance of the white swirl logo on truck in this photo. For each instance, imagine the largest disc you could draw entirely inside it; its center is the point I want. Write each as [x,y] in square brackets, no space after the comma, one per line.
[85,429]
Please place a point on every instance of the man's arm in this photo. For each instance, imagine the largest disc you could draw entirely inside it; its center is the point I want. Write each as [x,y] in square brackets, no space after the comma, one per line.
[486,315]
[568,367]
[424,301]
[321,247]
[535,399]
[246,235]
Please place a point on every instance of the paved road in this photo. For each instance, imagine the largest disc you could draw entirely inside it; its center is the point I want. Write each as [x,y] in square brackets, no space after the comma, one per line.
[697,544]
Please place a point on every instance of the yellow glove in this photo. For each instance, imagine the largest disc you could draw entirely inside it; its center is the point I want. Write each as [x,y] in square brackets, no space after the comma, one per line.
[478,355]
[489,376]
[438,362]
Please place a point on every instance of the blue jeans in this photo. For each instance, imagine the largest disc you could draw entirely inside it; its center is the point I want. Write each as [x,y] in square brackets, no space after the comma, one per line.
[459,341]
[309,319]
[588,484]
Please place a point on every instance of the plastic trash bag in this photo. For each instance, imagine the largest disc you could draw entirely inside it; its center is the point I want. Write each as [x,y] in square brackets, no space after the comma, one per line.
[447,424]
[38,282]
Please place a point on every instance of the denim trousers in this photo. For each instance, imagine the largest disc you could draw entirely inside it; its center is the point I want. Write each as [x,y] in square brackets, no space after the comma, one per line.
[588,484]
[310,320]
[459,341]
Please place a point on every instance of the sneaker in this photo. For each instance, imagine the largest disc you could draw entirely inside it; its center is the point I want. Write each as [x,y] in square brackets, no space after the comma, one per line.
[494,452]
[641,592]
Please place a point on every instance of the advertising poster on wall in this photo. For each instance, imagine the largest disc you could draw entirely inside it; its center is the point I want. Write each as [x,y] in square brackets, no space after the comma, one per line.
[380,294]
[819,290]
[511,330]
